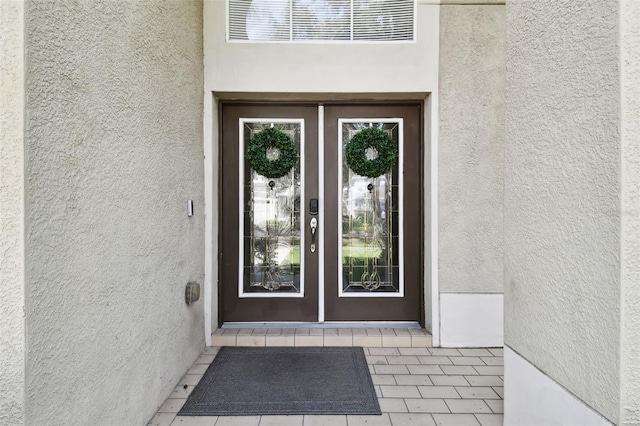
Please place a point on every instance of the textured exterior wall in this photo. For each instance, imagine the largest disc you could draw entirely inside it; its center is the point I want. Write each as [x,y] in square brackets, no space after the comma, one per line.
[562,194]
[11,213]
[630,232]
[472,73]
[113,153]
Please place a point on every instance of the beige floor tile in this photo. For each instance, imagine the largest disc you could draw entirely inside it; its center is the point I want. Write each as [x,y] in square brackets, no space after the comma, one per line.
[302,331]
[330,331]
[467,406]
[230,331]
[316,332]
[205,359]
[224,340]
[384,379]
[338,340]
[281,420]
[399,391]
[496,405]
[211,350]
[384,351]
[377,360]
[396,341]
[490,419]
[477,392]
[280,340]
[466,360]
[274,331]
[493,360]
[190,379]
[172,405]
[365,350]
[259,331]
[250,340]
[424,369]
[217,332]
[484,380]
[455,420]
[345,332]
[489,370]
[434,360]
[388,332]
[401,332]
[458,370]
[402,359]
[424,405]
[370,341]
[238,421]
[475,352]
[414,351]
[194,421]
[391,369]
[499,390]
[444,352]
[382,420]
[358,332]
[198,369]
[411,419]
[378,391]
[496,351]
[288,332]
[392,405]
[418,331]
[413,379]
[181,391]
[373,331]
[421,341]
[301,340]
[438,392]
[162,419]
[441,380]
[325,420]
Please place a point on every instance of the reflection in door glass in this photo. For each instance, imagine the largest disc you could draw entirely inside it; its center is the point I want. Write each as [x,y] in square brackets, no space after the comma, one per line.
[370,227]
[271,238]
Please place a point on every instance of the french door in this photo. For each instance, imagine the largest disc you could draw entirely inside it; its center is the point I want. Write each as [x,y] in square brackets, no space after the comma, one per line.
[304,237]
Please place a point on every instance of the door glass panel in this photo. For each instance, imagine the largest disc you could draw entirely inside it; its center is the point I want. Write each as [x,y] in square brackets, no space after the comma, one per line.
[370,213]
[271,215]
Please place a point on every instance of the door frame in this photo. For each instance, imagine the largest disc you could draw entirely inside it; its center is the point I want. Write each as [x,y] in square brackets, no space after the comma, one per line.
[430,303]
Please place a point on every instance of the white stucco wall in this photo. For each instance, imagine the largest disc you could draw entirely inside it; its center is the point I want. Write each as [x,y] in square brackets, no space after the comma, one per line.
[113,152]
[11,213]
[472,73]
[562,195]
[630,201]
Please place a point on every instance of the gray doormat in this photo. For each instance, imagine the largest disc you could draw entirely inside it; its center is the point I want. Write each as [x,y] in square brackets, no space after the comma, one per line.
[284,380]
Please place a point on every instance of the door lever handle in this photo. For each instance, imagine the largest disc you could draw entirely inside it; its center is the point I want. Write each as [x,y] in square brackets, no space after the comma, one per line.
[314,226]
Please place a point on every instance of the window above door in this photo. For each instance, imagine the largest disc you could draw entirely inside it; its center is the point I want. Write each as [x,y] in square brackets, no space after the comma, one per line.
[321,20]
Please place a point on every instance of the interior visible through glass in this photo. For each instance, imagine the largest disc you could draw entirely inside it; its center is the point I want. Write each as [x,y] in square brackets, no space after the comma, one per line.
[272,259]
[370,214]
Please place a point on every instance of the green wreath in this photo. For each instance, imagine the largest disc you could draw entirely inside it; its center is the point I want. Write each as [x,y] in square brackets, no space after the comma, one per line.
[371,139]
[275,139]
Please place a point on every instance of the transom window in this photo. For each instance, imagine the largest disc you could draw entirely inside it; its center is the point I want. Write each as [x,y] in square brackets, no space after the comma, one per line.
[324,20]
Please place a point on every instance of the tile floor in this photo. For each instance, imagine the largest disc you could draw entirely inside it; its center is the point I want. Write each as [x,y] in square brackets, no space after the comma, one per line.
[416,383]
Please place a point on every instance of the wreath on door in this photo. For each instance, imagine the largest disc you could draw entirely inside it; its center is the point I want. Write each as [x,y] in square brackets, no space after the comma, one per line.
[371,152]
[271,153]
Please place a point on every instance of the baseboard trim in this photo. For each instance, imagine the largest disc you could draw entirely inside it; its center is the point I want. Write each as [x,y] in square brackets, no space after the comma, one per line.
[470,320]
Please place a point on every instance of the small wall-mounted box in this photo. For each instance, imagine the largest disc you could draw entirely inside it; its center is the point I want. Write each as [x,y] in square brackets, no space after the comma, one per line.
[192,293]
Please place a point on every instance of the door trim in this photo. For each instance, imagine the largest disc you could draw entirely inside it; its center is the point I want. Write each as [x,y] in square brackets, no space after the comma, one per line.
[321,176]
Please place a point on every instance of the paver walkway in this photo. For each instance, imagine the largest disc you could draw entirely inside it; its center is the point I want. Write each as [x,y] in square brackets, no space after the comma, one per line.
[416,384]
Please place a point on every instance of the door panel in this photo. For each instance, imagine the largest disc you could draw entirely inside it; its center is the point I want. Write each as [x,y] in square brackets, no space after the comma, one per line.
[371,227]
[377,222]
[267,272]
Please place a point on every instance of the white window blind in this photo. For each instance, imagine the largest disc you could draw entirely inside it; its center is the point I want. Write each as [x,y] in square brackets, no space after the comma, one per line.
[329,20]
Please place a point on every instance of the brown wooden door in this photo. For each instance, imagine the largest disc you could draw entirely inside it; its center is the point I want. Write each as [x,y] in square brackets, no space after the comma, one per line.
[368,229]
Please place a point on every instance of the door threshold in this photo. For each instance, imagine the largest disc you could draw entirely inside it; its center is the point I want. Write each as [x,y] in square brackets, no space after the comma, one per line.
[326,324]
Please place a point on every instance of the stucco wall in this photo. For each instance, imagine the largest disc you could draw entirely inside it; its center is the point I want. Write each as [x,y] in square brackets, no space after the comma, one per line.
[113,153]
[562,194]
[630,232]
[472,73]
[11,213]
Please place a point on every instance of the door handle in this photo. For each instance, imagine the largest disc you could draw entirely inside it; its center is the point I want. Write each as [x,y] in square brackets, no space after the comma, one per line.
[314,226]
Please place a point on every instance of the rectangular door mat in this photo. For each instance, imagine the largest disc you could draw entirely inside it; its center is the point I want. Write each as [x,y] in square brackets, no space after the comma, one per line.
[284,380]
